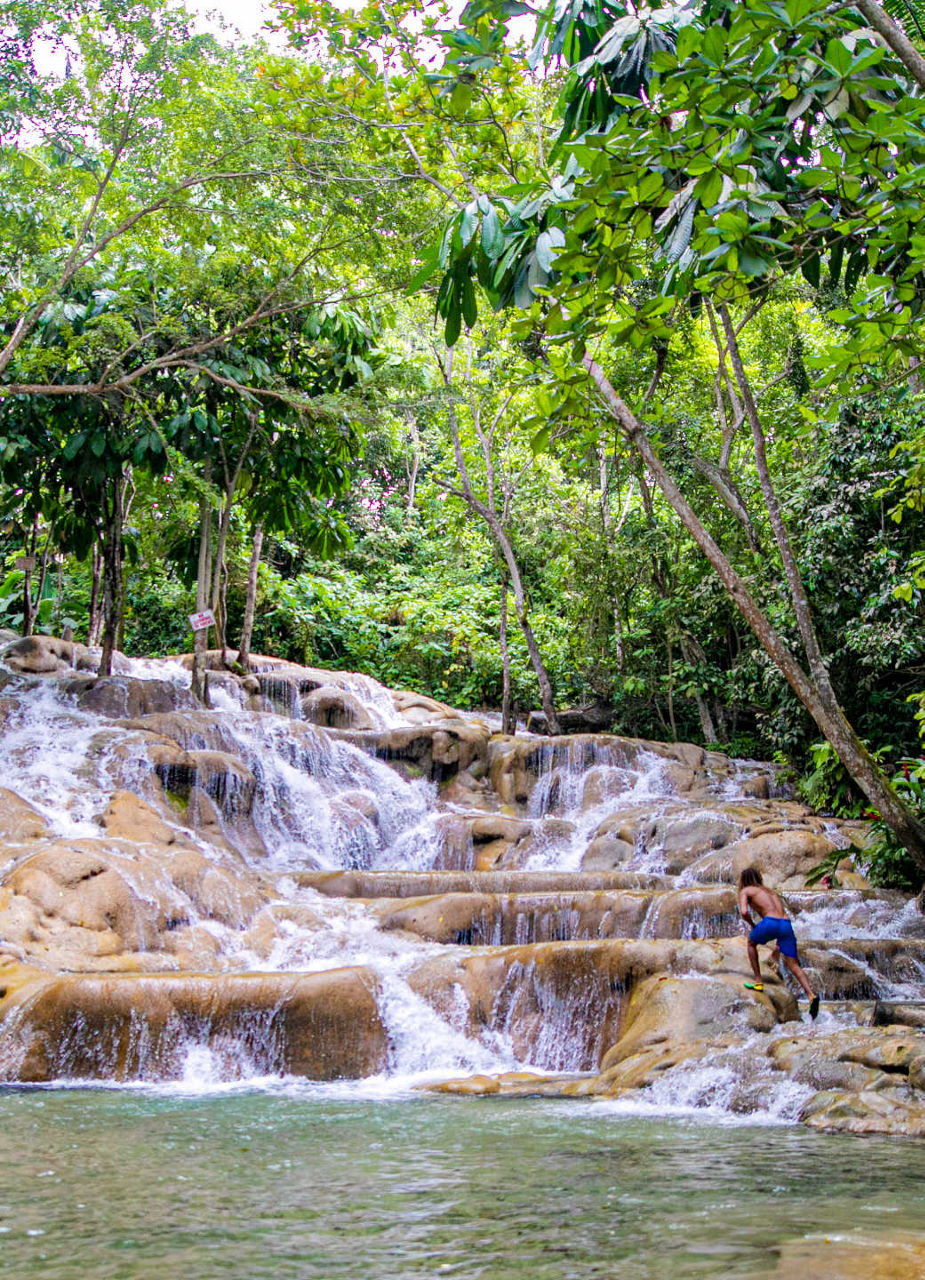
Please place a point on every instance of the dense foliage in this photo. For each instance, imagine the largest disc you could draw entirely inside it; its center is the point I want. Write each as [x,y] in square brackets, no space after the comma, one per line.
[213,327]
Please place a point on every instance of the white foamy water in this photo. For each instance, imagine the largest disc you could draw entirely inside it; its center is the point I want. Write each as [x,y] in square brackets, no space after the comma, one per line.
[323,803]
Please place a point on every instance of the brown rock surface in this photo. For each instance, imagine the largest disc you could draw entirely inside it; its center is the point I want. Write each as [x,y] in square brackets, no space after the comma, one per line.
[322,1025]
[858,1256]
[20,822]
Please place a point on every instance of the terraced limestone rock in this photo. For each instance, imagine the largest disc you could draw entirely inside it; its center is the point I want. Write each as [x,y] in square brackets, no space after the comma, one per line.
[321,876]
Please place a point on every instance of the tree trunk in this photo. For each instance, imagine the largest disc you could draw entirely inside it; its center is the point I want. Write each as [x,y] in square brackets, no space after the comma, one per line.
[415,465]
[199,680]
[507,716]
[95,621]
[250,604]
[690,655]
[495,525]
[220,572]
[113,552]
[28,614]
[820,703]
[43,574]
[671,720]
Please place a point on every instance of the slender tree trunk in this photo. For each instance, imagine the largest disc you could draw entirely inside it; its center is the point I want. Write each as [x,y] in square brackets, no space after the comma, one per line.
[95,621]
[250,604]
[820,703]
[220,573]
[689,653]
[28,614]
[113,552]
[507,715]
[199,680]
[520,601]
[43,574]
[415,465]
[671,720]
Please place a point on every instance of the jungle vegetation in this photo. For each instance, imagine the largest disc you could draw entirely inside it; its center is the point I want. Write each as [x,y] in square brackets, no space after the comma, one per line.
[547,356]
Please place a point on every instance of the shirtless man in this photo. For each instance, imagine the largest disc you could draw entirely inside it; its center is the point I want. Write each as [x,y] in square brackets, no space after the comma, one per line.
[773,926]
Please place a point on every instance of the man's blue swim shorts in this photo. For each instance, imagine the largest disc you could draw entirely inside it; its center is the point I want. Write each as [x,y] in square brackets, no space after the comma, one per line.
[771,928]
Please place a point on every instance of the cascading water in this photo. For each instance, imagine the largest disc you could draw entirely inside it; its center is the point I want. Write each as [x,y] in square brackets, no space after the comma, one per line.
[287,802]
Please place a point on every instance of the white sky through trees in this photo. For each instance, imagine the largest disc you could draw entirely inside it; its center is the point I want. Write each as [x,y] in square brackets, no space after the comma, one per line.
[247,15]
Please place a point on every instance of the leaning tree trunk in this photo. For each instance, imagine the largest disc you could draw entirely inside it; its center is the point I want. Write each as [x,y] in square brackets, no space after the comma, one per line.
[113,556]
[250,603]
[821,703]
[220,571]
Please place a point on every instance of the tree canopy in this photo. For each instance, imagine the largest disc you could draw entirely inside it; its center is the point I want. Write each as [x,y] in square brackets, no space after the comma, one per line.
[675,254]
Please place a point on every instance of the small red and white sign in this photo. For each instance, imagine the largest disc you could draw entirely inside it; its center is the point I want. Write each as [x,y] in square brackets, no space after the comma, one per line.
[199,621]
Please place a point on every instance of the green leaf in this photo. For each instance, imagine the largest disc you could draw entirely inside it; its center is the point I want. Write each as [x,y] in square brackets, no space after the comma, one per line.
[545,252]
[810,269]
[492,235]
[469,306]
[469,222]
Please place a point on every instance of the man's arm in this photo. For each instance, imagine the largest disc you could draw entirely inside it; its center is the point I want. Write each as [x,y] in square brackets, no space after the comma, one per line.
[745,910]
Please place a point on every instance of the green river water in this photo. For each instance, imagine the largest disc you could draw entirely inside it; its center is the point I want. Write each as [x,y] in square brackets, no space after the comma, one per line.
[290,1182]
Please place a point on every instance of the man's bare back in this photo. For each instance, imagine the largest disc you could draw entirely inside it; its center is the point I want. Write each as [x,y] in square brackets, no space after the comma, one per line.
[761,899]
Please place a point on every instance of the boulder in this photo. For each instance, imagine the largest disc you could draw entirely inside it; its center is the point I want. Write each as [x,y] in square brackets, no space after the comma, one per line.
[861,1255]
[606,853]
[595,717]
[666,1011]
[124,697]
[419,709]
[431,751]
[684,838]
[215,893]
[784,858]
[93,895]
[888,1111]
[43,655]
[335,708]
[603,783]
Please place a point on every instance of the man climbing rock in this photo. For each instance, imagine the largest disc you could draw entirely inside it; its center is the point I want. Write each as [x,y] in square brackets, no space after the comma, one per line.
[773,926]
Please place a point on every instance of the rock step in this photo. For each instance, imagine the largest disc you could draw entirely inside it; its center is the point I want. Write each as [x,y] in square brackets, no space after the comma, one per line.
[695,912]
[518,919]
[419,884]
[323,1026]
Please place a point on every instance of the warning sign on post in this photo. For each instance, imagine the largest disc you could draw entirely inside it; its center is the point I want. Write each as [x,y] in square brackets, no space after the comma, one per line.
[199,621]
[25,564]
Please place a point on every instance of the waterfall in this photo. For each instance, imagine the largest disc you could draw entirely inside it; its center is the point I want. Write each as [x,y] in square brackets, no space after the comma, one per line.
[477,898]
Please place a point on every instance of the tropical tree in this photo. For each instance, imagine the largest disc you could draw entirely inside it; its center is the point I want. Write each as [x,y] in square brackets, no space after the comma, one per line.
[705,158]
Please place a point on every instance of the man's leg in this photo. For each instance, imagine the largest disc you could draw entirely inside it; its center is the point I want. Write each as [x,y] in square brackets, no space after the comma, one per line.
[797,970]
[753,960]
